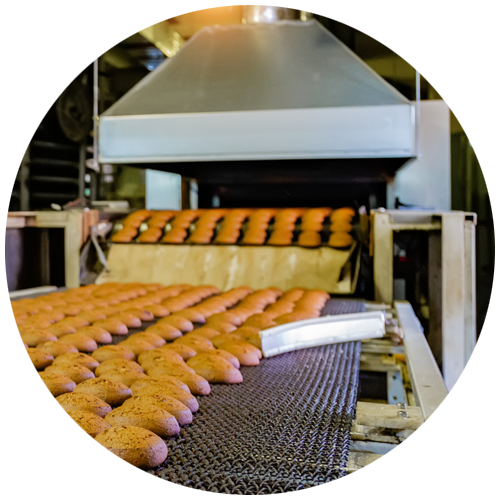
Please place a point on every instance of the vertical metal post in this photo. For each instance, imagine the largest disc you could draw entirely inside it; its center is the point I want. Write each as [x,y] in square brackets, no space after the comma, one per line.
[383,259]
[435,338]
[417,115]
[24,163]
[470,288]
[453,296]
[81,169]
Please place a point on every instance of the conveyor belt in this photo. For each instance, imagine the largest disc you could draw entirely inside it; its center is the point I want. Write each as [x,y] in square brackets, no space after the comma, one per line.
[286,428]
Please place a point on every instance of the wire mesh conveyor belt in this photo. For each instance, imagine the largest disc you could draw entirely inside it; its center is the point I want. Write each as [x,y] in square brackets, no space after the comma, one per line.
[286,428]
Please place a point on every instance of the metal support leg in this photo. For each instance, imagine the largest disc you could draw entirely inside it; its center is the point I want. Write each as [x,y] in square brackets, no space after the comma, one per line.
[453,296]
[470,289]
[383,260]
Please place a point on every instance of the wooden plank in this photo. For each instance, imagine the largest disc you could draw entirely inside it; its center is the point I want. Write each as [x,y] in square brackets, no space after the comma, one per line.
[379,434]
[387,468]
[386,416]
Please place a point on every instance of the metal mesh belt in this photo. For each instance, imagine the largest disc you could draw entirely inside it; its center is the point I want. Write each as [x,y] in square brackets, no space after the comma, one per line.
[286,428]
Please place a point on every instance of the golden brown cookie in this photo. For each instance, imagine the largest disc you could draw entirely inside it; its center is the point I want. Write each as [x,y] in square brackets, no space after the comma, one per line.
[100,335]
[166,332]
[215,369]
[247,354]
[74,321]
[16,460]
[113,393]
[182,324]
[183,350]
[76,372]
[19,423]
[91,475]
[60,329]
[14,367]
[137,345]
[165,380]
[164,388]
[150,358]
[40,359]
[135,445]
[112,325]
[44,448]
[26,398]
[56,348]
[147,416]
[157,310]
[35,336]
[126,376]
[107,352]
[199,344]
[80,358]
[92,316]
[28,482]
[114,363]
[83,425]
[80,341]
[150,337]
[181,412]
[57,384]
[84,402]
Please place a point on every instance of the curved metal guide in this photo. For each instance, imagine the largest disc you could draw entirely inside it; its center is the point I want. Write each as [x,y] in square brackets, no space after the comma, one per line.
[322,331]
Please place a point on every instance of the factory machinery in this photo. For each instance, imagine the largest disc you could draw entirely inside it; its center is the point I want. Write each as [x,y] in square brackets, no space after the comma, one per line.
[331,394]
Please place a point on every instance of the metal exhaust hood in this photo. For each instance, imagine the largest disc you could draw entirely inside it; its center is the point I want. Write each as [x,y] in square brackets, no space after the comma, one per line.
[285,90]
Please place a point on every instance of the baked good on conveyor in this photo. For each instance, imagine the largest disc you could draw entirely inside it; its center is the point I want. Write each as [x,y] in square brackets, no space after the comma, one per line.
[135,445]
[84,402]
[40,359]
[91,423]
[57,384]
[113,393]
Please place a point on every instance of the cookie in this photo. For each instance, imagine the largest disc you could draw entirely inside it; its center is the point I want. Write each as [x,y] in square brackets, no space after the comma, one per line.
[164,380]
[84,402]
[135,445]
[100,335]
[112,325]
[44,448]
[126,376]
[33,337]
[150,337]
[247,354]
[57,384]
[39,358]
[16,460]
[199,344]
[74,321]
[19,423]
[204,331]
[182,324]
[60,329]
[14,367]
[157,310]
[76,372]
[113,393]
[91,475]
[26,398]
[191,315]
[166,332]
[12,344]
[83,425]
[80,341]
[195,383]
[108,352]
[147,416]
[183,350]
[185,397]
[215,369]
[137,345]
[115,363]
[128,319]
[56,348]
[80,358]
[181,412]
[28,482]
[150,358]
[92,316]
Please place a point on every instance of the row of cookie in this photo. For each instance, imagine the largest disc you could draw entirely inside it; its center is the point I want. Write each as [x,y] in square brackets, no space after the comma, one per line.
[256,232]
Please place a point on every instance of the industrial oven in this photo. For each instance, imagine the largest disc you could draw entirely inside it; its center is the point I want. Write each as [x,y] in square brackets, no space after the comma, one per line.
[282,115]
